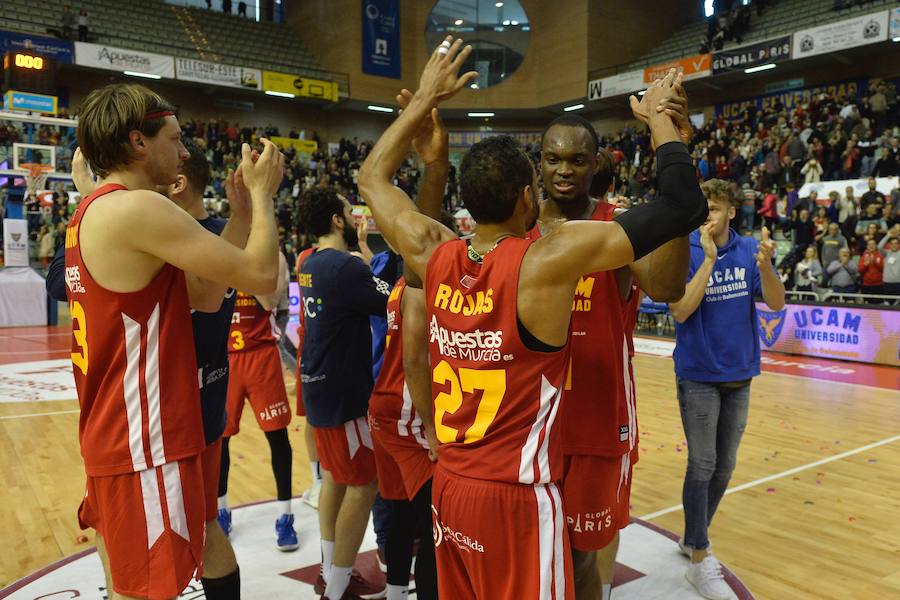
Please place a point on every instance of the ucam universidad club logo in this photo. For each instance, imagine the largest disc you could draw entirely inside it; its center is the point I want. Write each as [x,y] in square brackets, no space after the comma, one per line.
[770,325]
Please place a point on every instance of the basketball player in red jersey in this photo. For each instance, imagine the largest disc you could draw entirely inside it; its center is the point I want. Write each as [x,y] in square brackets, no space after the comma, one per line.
[499,308]
[127,250]
[255,375]
[599,416]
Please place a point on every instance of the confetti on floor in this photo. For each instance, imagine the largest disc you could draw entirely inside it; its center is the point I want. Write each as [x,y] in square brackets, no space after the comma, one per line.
[770,490]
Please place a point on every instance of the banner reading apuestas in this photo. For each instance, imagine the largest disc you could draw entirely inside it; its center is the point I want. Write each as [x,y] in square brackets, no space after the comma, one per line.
[692,67]
[100,56]
[867,335]
[59,50]
[288,83]
[381,38]
[201,71]
[791,98]
[752,55]
[840,35]
[15,242]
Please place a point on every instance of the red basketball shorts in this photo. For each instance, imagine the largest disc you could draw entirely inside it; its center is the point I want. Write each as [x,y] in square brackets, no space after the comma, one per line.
[152,524]
[211,459]
[256,375]
[346,452]
[401,460]
[597,491]
[499,540]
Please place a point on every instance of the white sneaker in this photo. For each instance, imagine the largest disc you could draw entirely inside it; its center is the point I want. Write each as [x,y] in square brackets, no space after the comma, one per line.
[689,550]
[311,496]
[707,578]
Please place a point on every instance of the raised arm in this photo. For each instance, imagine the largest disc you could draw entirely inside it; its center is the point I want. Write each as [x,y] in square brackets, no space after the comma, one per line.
[413,235]
[415,360]
[695,289]
[432,144]
[772,286]
[270,301]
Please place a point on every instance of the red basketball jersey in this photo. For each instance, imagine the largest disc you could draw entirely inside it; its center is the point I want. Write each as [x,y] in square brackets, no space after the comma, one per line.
[251,325]
[134,366]
[598,414]
[390,402]
[495,400]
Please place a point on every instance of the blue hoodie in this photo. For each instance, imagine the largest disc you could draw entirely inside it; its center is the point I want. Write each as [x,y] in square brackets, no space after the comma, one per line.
[719,342]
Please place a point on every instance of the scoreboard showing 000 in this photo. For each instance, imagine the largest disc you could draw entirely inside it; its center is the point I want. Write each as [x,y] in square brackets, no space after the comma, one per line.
[28,72]
[27,61]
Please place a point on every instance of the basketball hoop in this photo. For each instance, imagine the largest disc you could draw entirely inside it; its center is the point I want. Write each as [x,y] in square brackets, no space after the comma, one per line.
[36,177]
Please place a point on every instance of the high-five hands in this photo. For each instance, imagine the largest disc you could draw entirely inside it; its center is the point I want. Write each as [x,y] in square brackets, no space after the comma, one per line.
[667,96]
[263,175]
[440,80]
[432,141]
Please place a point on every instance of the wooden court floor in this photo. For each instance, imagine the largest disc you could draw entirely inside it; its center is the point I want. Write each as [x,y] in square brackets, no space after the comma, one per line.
[813,511]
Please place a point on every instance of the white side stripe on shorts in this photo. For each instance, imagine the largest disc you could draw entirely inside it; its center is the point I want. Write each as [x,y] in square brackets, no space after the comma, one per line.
[358,434]
[533,448]
[175,499]
[151,379]
[152,506]
[629,395]
[550,543]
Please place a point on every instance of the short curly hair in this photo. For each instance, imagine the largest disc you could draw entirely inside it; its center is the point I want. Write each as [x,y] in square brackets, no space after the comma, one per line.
[719,190]
[491,175]
[317,206]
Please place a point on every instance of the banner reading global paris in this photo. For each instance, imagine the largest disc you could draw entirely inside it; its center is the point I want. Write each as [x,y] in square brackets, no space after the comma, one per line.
[868,335]
[735,59]
[288,83]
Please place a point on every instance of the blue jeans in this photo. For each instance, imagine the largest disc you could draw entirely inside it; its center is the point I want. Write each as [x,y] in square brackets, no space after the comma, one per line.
[714,418]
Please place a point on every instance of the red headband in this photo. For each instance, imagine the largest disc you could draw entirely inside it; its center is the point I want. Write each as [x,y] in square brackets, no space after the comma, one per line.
[158,115]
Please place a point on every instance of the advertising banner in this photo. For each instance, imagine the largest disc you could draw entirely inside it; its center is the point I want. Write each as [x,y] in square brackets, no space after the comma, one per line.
[59,50]
[849,33]
[693,67]
[895,23]
[752,55]
[790,99]
[15,242]
[616,85]
[29,102]
[303,146]
[111,58]
[867,335]
[287,83]
[201,71]
[381,38]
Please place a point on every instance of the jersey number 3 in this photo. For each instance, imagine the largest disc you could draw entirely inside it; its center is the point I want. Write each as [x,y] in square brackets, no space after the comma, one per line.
[238,343]
[79,332]
[491,383]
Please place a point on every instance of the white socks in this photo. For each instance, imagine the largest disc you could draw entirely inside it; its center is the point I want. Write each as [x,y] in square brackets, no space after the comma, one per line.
[607,590]
[397,592]
[327,557]
[315,470]
[223,501]
[285,507]
[338,580]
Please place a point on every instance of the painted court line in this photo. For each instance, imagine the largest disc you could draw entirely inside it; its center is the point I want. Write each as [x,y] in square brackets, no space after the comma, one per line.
[43,414]
[756,482]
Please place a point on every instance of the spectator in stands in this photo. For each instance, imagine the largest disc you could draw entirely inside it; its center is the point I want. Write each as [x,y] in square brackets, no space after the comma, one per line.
[748,198]
[850,159]
[843,273]
[68,22]
[769,209]
[226,7]
[82,26]
[808,274]
[831,244]
[242,9]
[821,222]
[867,145]
[812,171]
[887,165]
[872,224]
[871,266]
[873,196]
[804,231]
[890,248]
[848,214]
[47,245]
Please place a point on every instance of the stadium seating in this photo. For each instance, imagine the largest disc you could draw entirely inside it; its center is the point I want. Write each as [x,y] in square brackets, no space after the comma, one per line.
[174,30]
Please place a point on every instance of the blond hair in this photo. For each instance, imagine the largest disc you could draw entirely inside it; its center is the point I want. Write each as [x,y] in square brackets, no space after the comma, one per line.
[719,190]
[108,116]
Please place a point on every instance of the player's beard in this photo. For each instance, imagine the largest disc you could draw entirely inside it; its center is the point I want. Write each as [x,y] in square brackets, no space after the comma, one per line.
[350,236]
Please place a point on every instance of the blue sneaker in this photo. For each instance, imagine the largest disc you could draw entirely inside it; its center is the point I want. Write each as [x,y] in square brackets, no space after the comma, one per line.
[284,531]
[224,520]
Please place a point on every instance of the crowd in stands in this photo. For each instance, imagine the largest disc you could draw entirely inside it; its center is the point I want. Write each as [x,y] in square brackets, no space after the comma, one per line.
[729,22]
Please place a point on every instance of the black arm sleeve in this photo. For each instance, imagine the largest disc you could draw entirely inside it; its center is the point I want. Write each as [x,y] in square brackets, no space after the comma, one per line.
[679,209]
[56,276]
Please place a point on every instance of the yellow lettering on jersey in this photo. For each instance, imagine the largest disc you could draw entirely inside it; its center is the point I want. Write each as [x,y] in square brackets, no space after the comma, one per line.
[72,236]
[579,305]
[238,343]
[305,279]
[492,384]
[456,302]
[585,287]
[395,293]
[79,332]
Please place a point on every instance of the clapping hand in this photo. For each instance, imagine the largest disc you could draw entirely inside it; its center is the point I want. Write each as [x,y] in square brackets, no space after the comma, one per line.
[766,250]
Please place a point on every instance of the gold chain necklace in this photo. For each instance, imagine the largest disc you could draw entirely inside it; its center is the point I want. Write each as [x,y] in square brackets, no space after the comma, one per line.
[475,257]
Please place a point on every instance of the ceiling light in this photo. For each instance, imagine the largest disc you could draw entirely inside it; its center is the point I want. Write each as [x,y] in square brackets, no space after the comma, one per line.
[506,21]
[481,114]
[384,109]
[458,22]
[574,107]
[498,4]
[896,39]
[279,94]
[143,75]
[513,22]
[474,85]
[764,67]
